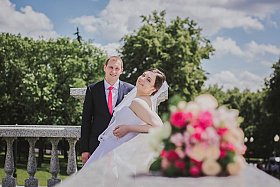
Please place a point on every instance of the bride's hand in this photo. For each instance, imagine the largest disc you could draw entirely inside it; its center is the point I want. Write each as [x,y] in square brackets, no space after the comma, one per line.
[120,131]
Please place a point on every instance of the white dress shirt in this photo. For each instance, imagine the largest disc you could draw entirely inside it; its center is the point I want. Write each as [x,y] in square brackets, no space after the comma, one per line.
[114,92]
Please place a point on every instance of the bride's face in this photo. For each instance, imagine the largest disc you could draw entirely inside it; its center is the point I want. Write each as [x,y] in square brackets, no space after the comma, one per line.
[145,83]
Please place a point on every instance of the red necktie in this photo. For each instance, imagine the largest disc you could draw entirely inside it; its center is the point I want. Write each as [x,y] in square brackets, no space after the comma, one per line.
[110,102]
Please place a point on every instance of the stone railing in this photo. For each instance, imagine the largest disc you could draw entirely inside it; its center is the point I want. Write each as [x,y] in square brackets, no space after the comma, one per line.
[32,133]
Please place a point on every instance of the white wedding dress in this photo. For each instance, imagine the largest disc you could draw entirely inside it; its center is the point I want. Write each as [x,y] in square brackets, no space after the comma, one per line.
[108,141]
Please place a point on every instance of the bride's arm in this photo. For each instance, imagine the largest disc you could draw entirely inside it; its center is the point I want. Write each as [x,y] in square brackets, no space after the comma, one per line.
[142,110]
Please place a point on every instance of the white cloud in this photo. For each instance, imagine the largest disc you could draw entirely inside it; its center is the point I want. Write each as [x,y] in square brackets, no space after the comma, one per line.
[252,50]
[111,48]
[244,80]
[225,46]
[121,17]
[255,48]
[27,22]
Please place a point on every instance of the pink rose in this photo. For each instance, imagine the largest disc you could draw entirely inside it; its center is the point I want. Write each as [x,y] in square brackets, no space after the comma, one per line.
[222,153]
[197,133]
[188,116]
[165,163]
[194,171]
[222,131]
[163,153]
[205,119]
[231,147]
[172,156]
[223,145]
[197,163]
[180,152]
[178,119]
[177,139]
[180,165]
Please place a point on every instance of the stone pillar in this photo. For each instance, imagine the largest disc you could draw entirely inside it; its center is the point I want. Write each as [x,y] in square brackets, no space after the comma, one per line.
[54,165]
[32,165]
[72,163]
[9,180]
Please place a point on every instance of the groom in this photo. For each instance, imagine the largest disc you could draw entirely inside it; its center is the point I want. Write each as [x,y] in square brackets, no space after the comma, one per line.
[101,98]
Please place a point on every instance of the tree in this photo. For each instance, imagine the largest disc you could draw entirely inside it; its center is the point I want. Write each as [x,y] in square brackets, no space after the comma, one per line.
[36,77]
[176,49]
[272,103]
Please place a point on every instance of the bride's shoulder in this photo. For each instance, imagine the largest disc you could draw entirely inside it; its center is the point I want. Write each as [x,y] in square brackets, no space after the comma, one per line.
[142,101]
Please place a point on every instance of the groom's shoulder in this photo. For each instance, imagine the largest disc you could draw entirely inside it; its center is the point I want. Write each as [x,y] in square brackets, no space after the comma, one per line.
[127,85]
[96,84]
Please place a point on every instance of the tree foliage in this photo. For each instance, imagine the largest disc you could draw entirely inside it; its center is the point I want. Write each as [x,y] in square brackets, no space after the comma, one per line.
[36,76]
[176,49]
[273,96]
[272,103]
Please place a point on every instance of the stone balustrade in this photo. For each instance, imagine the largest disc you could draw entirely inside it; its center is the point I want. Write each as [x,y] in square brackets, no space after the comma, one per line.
[32,133]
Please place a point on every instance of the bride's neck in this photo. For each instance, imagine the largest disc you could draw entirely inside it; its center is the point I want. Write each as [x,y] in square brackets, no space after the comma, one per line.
[142,95]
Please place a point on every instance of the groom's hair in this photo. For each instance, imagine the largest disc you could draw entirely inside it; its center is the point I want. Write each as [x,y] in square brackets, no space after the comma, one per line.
[160,78]
[114,58]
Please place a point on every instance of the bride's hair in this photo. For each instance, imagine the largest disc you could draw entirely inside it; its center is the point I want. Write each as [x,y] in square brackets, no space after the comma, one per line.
[160,78]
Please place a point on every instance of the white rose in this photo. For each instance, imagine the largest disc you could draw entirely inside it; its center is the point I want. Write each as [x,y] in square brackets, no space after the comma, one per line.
[182,105]
[233,113]
[155,137]
[165,130]
[190,129]
[234,168]
[216,122]
[197,153]
[233,135]
[173,108]
[211,167]
[222,113]
[213,152]
[154,143]
[206,101]
[155,133]
[192,107]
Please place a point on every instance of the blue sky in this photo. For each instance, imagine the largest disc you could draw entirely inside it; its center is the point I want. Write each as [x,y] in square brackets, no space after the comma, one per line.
[245,33]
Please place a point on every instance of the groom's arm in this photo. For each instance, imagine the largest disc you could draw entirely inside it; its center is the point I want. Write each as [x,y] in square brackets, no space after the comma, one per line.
[121,130]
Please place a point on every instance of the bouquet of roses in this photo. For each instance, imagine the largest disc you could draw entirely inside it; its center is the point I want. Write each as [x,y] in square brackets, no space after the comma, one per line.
[199,139]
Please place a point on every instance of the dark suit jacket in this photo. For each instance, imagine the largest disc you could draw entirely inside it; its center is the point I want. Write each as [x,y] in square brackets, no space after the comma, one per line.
[96,115]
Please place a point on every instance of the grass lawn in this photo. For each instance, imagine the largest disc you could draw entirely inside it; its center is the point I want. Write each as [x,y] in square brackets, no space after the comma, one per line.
[42,173]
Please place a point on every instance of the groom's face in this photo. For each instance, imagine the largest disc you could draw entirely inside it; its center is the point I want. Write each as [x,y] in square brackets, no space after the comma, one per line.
[113,70]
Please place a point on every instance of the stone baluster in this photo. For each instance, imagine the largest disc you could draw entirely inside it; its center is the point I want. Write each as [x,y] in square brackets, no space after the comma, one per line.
[72,163]
[32,165]
[54,165]
[9,180]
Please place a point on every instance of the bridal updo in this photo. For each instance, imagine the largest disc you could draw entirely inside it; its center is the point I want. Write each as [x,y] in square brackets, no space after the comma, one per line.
[160,78]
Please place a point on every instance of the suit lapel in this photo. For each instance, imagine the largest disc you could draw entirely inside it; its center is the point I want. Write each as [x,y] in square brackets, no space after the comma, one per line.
[102,96]
[120,92]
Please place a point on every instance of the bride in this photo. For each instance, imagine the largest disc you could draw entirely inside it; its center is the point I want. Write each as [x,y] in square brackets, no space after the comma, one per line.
[135,114]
